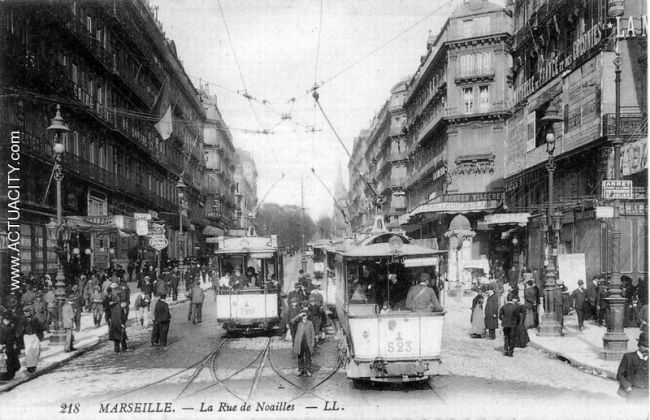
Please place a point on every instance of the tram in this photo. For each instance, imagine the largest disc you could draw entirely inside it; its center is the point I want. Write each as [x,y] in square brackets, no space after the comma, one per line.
[255,303]
[320,250]
[385,342]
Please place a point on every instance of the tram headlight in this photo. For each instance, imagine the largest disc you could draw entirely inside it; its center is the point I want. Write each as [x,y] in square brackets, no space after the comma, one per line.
[365,334]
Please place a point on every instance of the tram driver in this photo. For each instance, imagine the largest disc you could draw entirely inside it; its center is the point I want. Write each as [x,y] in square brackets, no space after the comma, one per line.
[422,298]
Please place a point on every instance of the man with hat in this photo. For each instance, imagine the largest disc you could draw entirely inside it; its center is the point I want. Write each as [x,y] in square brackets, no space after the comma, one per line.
[117,326]
[67,319]
[196,301]
[491,313]
[32,337]
[601,301]
[509,316]
[78,305]
[422,298]
[161,319]
[292,315]
[579,302]
[297,293]
[28,297]
[174,279]
[39,310]
[97,304]
[237,281]
[632,373]
[8,346]
[303,344]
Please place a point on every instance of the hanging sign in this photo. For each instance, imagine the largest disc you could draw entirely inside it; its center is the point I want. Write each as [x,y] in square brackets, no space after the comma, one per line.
[617,189]
[141,227]
[158,243]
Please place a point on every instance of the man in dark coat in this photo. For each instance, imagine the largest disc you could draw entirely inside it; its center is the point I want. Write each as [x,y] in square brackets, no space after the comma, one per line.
[296,294]
[422,298]
[196,301]
[491,313]
[8,347]
[592,294]
[509,316]
[579,302]
[117,326]
[292,316]
[161,319]
[303,344]
[175,280]
[632,373]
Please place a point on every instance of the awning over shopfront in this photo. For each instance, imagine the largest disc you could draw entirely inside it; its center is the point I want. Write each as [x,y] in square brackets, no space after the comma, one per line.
[213,231]
[101,224]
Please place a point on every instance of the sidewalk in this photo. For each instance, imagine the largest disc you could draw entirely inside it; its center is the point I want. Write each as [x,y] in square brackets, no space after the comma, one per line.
[88,338]
[584,348]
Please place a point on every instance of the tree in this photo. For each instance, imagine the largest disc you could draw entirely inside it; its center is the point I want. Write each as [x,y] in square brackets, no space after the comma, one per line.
[324,225]
[285,221]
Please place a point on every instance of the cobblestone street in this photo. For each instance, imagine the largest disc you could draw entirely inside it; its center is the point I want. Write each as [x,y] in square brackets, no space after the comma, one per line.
[531,384]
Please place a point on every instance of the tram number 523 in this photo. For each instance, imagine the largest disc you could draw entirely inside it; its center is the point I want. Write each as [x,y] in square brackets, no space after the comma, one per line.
[399,346]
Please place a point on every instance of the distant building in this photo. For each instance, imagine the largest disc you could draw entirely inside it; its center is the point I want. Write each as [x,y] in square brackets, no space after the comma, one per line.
[245,187]
[360,206]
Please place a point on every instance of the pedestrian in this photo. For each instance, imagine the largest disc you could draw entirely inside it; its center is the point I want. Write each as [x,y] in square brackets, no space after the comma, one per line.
[39,310]
[50,302]
[141,303]
[125,297]
[110,301]
[579,303]
[9,362]
[292,316]
[531,299]
[117,326]
[161,287]
[174,282]
[97,305]
[521,331]
[161,319]
[78,305]
[303,345]
[509,316]
[147,287]
[632,372]
[491,314]
[477,318]
[67,319]
[421,298]
[196,298]
[592,294]
[32,337]
[601,302]
[314,313]
[28,298]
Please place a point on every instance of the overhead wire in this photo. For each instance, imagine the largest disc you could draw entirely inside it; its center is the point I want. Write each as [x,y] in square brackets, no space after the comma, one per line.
[382,46]
[243,81]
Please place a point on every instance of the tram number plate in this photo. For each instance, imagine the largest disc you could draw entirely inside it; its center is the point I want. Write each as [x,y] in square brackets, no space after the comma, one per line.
[399,346]
[247,310]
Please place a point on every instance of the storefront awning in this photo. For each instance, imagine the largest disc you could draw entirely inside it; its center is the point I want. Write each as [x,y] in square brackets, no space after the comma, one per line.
[101,224]
[212,231]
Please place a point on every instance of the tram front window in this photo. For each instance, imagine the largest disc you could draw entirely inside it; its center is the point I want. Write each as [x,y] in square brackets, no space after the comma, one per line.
[382,283]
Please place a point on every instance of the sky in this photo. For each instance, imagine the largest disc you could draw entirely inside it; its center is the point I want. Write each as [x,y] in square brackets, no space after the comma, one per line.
[276,43]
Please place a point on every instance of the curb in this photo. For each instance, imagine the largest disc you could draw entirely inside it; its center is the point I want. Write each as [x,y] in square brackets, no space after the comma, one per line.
[603,373]
[98,340]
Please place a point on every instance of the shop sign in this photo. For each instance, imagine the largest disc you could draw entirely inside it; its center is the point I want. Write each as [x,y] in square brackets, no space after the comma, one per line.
[617,189]
[141,227]
[465,197]
[634,208]
[507,218]
[142,216]
[420,262]
[628,30]
[158,243]
[456,207]
[119,222]
[604,212]
[554,66]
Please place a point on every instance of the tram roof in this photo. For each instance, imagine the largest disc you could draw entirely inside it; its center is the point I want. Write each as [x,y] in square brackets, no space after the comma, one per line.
[385,250]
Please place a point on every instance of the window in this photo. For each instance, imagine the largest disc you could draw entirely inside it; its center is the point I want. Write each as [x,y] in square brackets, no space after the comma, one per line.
[483,99]
[468,100]
[466,64]
[466,28]
[89,23]
[487,63]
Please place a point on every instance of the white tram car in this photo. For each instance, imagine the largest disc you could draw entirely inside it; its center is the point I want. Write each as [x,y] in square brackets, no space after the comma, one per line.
[258,306]
[384,341]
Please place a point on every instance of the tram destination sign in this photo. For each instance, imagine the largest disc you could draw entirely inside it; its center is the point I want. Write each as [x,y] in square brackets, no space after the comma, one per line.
[617,190]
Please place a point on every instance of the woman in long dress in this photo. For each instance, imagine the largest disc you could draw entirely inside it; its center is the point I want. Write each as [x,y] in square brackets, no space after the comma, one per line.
[477,318]
[521,339]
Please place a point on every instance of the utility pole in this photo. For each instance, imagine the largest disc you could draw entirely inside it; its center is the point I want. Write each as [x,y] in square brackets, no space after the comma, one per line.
[303,259]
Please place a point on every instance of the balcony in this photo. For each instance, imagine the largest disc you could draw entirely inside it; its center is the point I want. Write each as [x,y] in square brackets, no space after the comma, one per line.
[482,75]
[632,126]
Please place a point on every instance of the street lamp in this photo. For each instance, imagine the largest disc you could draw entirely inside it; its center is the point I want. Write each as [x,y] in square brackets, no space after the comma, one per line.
[58,127]
[615,340]
[549,325]
[180,187]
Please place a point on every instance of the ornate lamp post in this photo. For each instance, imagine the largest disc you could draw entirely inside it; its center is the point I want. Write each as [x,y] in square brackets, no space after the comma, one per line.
[615,340]
[180,187]
[549,326]
[58,127]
